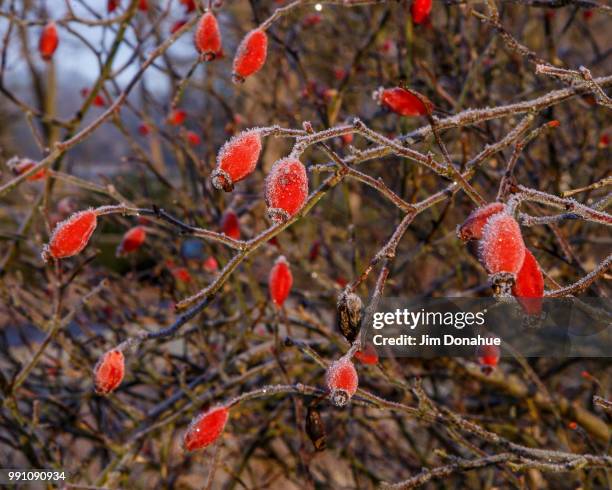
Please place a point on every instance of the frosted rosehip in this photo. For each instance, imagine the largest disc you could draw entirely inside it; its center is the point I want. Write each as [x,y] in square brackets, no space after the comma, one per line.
[471,229]
[367,355]
[286,189]
[230,225]
[349,308]
[109,372]
[132,240]
[402,101]
[207,38]
[280,281]
[420,10]
[342,381]
[488,357]
[502,249]
[529,285]
[71,236]
[205,429]
[48,42]
[251,55]
[237,159]
[22,165]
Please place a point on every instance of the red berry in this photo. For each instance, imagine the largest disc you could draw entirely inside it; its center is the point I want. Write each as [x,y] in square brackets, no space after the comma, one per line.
[230,225]
[22,165]
[402,101]
[237,159]
[112,5]
[311,20]
[207,37]
[109,372]
[367,355]
[98,100]
[251,55]
[488,357]
[205,429]
[471,229]
[420,10]
[529,285]
[211,264]
[143,5]
[193,138]
[190,5]
[71,236]
[342,381]
[572,425]
[502,249]
[132,240]
[49,39]
[286,189]
[587,15]
[177,25]
[604,141]
[177,117]
[280,281]
[347,139]
[144,129]
[181,274]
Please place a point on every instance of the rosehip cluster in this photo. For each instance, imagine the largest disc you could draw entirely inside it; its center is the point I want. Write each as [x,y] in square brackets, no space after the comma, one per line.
[504,255]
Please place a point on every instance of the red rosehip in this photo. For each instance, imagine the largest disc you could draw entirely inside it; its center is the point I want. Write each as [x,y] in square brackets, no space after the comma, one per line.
[311,20]
[144,129]
[211,264]
[502,249]
[367,355]
[342,381]
[193,138]
[587,15]
[403,101]
[347,139]
[207,38]
[109,372]
[177,117]
[22,165]
[237,159]
[71,236]
[181,274]
[280,281]
[420,10]
[132,240]
[98,100]
[205,429]
[143,5]
[286,189]
[177,25]
[48,42]
[230,225]
[471,229]
[529,285]
[604,141]
[190,5]
[251,55]
[112,5]
[488,357]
